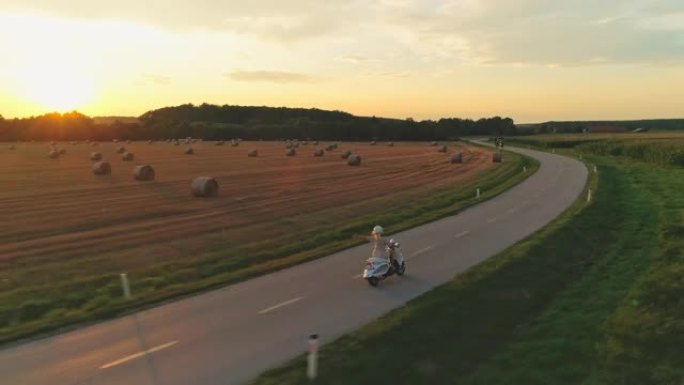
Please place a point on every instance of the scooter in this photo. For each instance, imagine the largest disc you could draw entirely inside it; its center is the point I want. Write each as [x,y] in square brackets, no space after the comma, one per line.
[379,268]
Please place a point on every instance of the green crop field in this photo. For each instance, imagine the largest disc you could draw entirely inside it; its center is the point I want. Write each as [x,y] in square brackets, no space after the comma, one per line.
[598,295]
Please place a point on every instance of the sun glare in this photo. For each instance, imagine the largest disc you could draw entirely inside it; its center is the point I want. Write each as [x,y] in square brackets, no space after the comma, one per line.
[55,87]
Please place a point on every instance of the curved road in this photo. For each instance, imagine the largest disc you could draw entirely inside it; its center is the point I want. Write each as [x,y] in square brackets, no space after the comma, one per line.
[230,335]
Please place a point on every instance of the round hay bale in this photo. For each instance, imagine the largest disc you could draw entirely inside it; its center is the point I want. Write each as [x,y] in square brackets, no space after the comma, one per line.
[289,145]
[94,144]
[120,150]
[219,143]
[176,143]
[127,156]
[291,152]
[62,151]
[346,154]
[128,141]
[354,160]
[442,149]
[12,147]
[143,172]
[235,143]
[318,152]
[102,168]
[189,151]
[204,186]
[315,143]
[497,157]
[305,143]
[53,154]
[373,143]
[433,144]
[115,140]
[391,144]
[95,156]
[150,141]
[253,153]
[457,158]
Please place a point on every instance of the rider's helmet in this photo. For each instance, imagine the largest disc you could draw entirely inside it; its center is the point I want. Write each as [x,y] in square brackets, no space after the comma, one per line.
[378,230]
[392,242]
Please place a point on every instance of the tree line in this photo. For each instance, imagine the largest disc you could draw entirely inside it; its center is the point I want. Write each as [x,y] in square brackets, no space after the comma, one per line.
[212,122]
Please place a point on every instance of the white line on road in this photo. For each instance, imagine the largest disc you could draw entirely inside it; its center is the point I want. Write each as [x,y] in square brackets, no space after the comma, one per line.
[138,355]
[490,220]
[512,210]
[462,233]
[357,276]
[421,251]
[526,201]
[278,306]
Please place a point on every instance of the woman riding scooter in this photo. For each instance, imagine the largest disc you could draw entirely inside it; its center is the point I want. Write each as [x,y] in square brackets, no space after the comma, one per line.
[383,248]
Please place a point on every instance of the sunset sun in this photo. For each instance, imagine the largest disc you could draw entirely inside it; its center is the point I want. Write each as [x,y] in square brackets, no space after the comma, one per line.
[56,87]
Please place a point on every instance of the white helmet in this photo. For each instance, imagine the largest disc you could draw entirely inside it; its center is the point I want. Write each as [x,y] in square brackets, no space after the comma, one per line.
[378,230]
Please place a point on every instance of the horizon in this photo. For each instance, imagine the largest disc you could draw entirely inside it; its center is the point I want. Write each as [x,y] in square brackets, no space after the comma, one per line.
[535,61]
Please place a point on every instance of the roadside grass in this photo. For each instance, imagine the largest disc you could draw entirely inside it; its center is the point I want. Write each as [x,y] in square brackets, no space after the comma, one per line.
[593,298]
[59,304]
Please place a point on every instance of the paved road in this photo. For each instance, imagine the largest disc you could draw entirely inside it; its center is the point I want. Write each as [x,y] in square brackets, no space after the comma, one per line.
[230,335]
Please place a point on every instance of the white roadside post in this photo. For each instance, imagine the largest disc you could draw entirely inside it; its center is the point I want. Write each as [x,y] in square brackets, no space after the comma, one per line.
[595,169]
[477,193]
[125,285]
[524,168]
[589,195]
[312,359]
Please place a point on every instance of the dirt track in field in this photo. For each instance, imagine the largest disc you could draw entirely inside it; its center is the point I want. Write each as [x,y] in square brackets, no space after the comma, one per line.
[56,209]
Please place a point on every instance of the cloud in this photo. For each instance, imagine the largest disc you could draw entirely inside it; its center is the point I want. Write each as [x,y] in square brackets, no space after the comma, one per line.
[154,79]
[269,76]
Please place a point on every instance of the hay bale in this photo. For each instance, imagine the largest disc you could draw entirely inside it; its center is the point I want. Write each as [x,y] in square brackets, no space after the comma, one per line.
[318,152]
[62,151]
[115,140]
[219,143]
[53,154]
[289,145]
[176,143]
[457,158]
[291,152]
[189,151]
[120,150]
[253,153]
[143,172]
[128,141]
[346,154]
[315,143]
[150,141]
[354,160]
[373,143]
[204,186]
[127,156]
[235,143]
[497,157]
[442,149]
[12,147]
[95,156]
[391,144]
[433,144]
[102,168]
[305,143]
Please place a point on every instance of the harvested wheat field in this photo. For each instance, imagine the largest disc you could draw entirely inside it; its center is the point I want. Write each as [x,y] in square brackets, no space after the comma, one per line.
[67,233]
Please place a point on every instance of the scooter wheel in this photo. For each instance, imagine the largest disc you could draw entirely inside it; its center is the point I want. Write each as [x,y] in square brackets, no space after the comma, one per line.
[373,281]
[402,269]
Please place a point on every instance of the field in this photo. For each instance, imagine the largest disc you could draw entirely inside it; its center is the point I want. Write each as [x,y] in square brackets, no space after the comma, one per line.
[67,234]
[602,299]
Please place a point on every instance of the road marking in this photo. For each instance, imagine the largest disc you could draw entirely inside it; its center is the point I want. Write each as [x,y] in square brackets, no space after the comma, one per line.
[512,210]
[421,251]
[490,220]
[357,276]
[526,201]
[138,355]
[462,233]
[278,306]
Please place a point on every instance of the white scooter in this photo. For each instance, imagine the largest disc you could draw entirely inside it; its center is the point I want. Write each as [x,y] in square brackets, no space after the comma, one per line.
[379,268]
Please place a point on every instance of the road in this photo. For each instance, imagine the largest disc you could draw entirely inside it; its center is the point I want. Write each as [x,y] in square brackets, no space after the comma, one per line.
[230,335]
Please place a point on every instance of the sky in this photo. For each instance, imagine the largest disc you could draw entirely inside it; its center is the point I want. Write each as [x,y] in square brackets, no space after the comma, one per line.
[531,60]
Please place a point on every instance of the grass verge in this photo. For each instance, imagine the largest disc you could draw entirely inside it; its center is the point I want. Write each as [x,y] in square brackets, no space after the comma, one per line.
[73,302]
[595,297]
